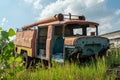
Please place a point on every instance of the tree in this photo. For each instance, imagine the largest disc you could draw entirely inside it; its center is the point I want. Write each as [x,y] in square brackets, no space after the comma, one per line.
[7,53]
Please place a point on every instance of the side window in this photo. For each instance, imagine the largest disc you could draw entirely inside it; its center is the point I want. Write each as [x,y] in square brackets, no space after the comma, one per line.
[42,37]
[43,31]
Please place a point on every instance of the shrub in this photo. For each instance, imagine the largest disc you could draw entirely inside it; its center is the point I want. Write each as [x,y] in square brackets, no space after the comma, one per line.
[6,54]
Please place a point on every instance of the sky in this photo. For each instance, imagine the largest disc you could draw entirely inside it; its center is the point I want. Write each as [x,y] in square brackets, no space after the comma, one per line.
[17,13]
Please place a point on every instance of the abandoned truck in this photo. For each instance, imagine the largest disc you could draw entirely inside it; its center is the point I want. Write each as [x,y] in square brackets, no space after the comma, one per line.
[60,38]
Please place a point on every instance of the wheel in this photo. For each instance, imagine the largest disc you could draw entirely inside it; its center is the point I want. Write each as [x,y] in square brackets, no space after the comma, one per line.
[26,60]
[78,58]
[74,58]
[103,53]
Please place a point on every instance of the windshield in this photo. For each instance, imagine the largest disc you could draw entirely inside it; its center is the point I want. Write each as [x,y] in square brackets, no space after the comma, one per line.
[79,30]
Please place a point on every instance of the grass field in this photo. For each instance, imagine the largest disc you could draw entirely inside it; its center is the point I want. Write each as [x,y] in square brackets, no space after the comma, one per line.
[92,70]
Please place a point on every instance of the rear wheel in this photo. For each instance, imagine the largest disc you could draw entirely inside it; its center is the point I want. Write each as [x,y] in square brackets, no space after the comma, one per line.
[26,60]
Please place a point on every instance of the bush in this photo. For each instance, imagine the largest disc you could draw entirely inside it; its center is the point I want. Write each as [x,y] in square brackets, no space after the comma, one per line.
[6,54]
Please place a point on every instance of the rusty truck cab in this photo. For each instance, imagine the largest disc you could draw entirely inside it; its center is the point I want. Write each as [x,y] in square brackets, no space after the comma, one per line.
[55,36]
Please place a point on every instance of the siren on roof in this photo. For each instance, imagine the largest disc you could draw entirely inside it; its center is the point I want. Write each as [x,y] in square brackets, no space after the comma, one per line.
[74,17]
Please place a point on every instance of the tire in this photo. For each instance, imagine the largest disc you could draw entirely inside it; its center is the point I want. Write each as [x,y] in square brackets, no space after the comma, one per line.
[26,60]
[103,53]
[74,58]
[78,58]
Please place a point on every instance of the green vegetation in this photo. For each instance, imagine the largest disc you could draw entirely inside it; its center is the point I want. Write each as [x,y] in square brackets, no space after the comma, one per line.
[7,59]
[11,68]
[92,70]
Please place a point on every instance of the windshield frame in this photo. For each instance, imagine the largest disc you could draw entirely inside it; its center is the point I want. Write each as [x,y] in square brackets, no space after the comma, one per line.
[80,26]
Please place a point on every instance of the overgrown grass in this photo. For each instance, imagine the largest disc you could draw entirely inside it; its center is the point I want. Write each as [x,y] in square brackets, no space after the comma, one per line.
[93,70]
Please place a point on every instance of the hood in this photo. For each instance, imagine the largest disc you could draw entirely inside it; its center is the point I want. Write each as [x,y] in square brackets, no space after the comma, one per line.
[70,40]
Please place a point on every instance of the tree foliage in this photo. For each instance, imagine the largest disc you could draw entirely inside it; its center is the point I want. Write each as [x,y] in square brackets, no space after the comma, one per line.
[7,59]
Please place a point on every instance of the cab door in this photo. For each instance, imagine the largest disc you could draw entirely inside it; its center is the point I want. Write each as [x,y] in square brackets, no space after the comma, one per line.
[58,48]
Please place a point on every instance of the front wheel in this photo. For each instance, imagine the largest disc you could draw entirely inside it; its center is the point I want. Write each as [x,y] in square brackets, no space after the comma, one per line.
[26,60]
[103,53]
[74,58]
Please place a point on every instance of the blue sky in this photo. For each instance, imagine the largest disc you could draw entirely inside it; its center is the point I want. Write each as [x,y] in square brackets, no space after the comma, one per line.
[17,13]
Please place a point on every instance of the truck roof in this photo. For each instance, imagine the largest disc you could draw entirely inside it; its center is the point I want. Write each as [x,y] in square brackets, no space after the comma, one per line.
[59,19]
[68,22]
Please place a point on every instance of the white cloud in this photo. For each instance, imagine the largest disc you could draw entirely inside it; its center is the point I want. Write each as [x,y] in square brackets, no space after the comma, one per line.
[104,27]
[71,6]
[36,3]
[94,10]
[109,21]
[105,19]
[4,20]
[29,1]
[117,12]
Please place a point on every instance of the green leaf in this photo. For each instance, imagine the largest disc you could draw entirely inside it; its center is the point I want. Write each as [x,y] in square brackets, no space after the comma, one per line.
[11,60]
[4,34]
[18,59]
[0,28]
[3,78]
[21,64]
[11,32]
[11,74]
[10,45]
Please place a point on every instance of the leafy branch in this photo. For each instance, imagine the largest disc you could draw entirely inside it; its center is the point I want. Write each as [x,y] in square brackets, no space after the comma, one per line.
[7,58]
